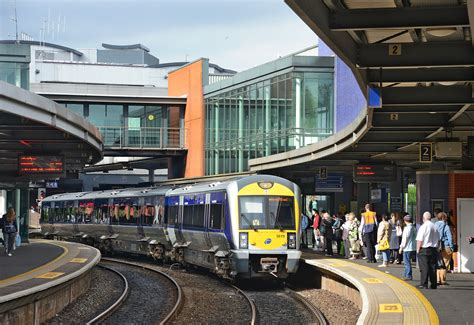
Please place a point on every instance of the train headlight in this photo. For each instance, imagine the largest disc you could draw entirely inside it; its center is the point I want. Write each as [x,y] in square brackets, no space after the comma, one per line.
[244,240]
[292,240]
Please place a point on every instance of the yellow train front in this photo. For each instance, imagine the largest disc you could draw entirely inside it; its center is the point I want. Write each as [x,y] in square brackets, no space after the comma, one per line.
[265,221]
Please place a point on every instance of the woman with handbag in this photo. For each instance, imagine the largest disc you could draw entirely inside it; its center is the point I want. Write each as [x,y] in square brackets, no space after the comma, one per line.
[384,233]
[394,242]
[9,231]
[446,246]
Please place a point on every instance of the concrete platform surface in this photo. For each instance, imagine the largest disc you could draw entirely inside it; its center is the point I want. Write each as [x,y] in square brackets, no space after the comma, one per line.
[452,304]
[42,264]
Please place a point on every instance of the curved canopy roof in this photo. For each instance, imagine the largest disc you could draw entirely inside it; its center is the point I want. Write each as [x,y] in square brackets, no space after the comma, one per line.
[34,125]
[419,54]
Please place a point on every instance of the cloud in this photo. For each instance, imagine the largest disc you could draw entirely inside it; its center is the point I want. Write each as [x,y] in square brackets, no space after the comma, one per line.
[236,34]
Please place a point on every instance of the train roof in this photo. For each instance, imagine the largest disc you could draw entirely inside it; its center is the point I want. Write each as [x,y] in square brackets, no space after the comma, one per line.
[200,187]
[241,181]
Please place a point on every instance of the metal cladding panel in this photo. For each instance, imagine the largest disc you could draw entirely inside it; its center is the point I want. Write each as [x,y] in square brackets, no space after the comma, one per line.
[218,197]
[172,200]
[126,200]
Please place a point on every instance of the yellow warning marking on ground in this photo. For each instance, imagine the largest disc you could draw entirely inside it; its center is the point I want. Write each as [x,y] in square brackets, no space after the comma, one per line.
[390,308]
[64,253]
[337,264]
[79,260]
[50,275]
[372,280]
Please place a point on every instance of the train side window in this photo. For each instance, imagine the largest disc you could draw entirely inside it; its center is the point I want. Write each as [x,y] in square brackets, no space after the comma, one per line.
[216,216]
[198,216]
[172,214]
[45,214]
[149,215]
[188,211]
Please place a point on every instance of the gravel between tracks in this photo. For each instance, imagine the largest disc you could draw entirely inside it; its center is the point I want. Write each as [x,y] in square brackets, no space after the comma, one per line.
[150,300]
[275,306]
[207,299]
[105,288]
[337,309]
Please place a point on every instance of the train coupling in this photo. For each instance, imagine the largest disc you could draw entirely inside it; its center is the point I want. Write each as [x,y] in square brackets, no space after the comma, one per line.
[269,264]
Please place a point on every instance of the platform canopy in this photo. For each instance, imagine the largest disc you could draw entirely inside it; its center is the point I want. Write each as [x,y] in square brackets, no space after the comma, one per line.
[40,139]
[418,54]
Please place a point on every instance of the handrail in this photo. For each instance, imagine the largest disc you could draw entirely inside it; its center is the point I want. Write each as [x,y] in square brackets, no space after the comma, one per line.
[144,137]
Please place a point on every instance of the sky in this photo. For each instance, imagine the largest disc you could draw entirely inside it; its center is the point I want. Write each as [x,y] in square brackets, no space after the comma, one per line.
[235,34]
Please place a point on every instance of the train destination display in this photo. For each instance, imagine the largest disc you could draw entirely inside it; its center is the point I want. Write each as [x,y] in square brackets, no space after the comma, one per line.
[367,173]
[31,164]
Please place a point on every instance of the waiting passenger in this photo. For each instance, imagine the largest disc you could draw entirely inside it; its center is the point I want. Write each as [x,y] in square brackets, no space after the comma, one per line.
[408,246]
[316,223]
[369,232]
[394,238]
[345,236]
[384,233]
[337,232]
[9,231]
[326,230]
[354,236]
[427,240]
[447,246]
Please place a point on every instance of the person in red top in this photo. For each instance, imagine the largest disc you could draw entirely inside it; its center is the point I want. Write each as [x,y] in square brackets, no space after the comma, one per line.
[316,223]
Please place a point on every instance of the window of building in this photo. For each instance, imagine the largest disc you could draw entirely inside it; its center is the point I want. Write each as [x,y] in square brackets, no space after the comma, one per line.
[276,115]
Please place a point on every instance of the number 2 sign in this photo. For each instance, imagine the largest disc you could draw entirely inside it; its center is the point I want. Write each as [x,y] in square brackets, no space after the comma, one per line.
[394,49]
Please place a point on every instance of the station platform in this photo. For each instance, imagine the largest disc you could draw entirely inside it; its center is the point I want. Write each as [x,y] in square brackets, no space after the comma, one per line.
[386,299]
[38,271]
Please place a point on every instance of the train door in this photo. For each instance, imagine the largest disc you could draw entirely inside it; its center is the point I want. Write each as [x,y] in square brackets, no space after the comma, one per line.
[110,216]
[179,222]
[140,220]
[207,208]
[172,218]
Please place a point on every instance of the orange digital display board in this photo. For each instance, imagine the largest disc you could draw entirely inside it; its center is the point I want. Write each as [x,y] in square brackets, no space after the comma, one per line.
[31,164]
[367,173]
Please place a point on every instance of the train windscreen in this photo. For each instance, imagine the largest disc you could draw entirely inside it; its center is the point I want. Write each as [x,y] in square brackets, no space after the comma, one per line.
[267,212]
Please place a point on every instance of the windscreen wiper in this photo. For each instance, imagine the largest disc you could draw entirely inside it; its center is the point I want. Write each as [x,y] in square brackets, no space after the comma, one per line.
[276,221]
[248,222]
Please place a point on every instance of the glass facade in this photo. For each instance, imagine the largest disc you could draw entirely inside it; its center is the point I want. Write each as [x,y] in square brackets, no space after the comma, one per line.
[130,125]
[15,73]
[282,113]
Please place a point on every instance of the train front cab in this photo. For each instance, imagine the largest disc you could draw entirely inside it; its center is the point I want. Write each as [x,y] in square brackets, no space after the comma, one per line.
[267,226]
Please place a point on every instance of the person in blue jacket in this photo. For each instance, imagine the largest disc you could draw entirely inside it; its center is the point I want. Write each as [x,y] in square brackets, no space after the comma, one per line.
[304,228]
[447,246]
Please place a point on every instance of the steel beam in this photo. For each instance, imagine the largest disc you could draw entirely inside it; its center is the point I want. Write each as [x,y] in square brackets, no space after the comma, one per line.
[434,95]
[470,10]
[460,74]
[432,54]
[399,18]
[426,109]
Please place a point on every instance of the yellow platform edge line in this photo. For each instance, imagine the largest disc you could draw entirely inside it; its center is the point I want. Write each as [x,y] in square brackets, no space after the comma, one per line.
[65,251]
[432,315]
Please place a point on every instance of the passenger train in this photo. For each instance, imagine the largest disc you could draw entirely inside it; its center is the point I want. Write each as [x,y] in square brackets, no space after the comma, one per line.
[244,226]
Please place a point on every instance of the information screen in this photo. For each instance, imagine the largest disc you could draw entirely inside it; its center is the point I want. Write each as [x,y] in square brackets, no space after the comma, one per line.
[372,173]
[30,164]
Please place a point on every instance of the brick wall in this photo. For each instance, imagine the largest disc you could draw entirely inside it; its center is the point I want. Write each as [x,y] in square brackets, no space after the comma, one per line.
[461,185]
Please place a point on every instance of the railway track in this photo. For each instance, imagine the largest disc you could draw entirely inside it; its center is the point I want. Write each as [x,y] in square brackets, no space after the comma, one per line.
[150,296]
[282,306]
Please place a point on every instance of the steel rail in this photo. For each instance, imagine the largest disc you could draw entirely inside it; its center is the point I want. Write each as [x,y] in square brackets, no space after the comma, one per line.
[251,303]
[179,301]
[106,313]
[309,306]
